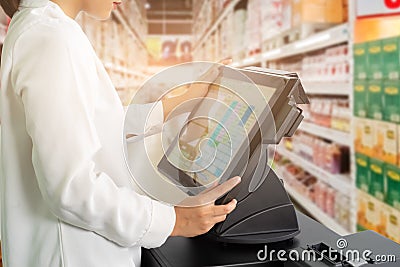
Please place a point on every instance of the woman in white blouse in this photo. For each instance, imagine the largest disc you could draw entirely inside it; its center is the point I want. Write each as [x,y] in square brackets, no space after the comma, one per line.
[67,198]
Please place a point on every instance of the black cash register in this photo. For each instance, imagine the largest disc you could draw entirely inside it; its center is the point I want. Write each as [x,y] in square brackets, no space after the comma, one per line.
[227,135]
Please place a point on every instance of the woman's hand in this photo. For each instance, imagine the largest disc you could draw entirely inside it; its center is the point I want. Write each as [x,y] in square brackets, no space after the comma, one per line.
[197,220]
[193,91]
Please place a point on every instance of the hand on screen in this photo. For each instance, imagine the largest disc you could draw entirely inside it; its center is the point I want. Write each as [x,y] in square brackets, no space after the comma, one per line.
[201,89]
[195,90]
[198,214]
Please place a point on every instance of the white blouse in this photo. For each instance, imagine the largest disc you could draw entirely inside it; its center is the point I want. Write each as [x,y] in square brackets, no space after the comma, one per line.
[67,197]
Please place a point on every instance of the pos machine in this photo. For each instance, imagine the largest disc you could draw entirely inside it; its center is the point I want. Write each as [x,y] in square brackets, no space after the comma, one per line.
[264,212]
[235,136]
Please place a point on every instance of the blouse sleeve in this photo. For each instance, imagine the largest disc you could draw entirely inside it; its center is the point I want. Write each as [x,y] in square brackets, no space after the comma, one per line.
[55,78]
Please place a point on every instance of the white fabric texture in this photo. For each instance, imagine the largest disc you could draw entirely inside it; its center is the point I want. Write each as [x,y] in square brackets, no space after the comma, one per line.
[67,198]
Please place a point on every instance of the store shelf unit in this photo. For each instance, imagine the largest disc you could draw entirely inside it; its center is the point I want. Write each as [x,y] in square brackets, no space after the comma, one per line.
[316,212]
[325,88]
[330,37]
[214,25]
[216,43]
[327,133]
[312,208]
[341,183]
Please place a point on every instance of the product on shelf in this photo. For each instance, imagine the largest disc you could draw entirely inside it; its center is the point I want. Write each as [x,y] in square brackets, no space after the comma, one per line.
[392,177]
[239,29]
[343,210]
[360,102]
[275,17]
[328,112]
[391,225]
[375,215]
[377,185]
[386,142]
[329,156]
[316,11]
[362,172]
[360,61]
[391,58]
[391,101]
[331,202]
[253,27]
[364,136]
[375,99]
[375,60]
[332,65]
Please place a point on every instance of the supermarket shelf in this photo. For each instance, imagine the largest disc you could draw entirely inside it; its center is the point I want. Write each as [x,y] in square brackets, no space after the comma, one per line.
[130,30]
[339,137]
[316,212]
[333,36]
[328,88]
[214,26]
[342,183]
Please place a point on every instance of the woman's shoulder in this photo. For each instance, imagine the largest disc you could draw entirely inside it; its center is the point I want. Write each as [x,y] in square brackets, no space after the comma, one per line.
[45,27]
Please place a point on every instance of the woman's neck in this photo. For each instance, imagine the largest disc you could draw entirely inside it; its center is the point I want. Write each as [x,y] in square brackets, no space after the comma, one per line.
[70,7]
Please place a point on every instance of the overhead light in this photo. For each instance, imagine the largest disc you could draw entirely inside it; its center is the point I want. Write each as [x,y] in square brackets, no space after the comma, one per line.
[147,5]
[313,40]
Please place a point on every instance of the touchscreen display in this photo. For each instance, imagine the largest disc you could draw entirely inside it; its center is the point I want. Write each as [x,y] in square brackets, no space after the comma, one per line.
[216,129]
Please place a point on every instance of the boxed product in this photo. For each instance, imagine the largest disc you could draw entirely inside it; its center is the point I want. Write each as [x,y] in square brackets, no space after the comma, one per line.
[317,11]
[377,184]
[375,60]
[320,195]
[391,223]
[374,218]
[369,29]
[392,177]
[342,210]
[362,206]
[360,61]
[362,172]
[391,58]
[391,100]
[386,141]
[360,98]
[375,100]
[364,133]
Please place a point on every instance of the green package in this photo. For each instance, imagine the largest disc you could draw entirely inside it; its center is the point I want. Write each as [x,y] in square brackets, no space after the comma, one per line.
[391,101]
[360,99]
[375,60]
[362,169]
[375,100]
[392,177]
[360,61]
[391,58]
[377,186]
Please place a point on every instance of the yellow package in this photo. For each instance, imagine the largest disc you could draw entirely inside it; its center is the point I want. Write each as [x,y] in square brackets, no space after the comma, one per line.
[374,216]
[362,205]
[391,223]
[386,139]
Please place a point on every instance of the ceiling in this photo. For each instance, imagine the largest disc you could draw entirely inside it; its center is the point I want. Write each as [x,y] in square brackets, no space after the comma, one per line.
[169,16]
